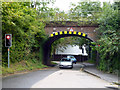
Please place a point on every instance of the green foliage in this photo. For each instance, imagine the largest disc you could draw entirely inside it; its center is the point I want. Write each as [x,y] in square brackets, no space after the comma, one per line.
[109,39]
[79,41]
[85,11]
[27,31]
[22,66]
[54,63]
[91,61]
[59,43]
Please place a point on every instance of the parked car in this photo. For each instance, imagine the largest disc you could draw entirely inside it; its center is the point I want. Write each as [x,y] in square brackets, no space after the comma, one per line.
[74,60]
[66,63]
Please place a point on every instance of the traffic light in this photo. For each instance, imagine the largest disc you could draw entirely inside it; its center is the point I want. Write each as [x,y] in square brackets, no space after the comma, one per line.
[8,40]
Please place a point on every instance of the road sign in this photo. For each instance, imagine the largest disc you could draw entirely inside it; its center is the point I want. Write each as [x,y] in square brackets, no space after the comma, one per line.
[71,29]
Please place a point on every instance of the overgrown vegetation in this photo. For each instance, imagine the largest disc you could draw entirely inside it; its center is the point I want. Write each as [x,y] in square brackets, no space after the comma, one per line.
[22,21]
[109,38]
[85,11]
[23,66]
[26,24]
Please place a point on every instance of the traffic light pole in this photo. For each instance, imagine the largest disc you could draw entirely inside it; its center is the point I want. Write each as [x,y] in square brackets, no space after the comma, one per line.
[8,57]
[8,43]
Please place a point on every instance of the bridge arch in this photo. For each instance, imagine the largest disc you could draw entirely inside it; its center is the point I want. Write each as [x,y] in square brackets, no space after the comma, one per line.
[55,36]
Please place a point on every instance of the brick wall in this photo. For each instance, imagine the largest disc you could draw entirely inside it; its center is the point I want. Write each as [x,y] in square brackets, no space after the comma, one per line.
[90,30]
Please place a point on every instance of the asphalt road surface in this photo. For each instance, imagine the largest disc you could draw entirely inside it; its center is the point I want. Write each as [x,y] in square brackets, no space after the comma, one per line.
[54,78]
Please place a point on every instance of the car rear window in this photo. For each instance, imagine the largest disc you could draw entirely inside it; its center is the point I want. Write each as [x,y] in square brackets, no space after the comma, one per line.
[65,60]
[70,56]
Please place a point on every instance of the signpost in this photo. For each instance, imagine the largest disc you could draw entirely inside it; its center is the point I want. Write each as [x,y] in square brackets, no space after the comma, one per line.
[71,29]
[8,43]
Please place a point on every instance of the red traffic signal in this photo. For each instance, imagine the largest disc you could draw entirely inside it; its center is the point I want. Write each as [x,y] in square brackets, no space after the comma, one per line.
[8,36]
[8,40]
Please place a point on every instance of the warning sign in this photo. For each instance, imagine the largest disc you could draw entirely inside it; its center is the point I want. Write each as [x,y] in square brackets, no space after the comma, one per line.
[71,29]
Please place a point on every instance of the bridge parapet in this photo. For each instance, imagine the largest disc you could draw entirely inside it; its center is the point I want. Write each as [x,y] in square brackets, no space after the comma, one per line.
[58,27]
[70,23]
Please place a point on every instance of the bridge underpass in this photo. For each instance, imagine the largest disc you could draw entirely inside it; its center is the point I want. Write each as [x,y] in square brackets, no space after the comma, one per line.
[56,36]
[57,31]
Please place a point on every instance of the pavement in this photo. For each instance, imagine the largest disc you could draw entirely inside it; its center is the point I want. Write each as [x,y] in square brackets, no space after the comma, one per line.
[111,78]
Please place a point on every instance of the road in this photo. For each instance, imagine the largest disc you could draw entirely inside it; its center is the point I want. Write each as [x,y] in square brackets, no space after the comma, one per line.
[54,78]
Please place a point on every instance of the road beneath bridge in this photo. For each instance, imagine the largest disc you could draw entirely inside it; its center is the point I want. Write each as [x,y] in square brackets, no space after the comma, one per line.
[55,78]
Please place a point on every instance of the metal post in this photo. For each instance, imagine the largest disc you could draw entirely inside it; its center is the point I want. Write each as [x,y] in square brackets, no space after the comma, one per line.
[8,57]
[91,54]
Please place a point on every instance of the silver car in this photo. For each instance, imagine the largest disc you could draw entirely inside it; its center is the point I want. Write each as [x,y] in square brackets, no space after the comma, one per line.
[66,63]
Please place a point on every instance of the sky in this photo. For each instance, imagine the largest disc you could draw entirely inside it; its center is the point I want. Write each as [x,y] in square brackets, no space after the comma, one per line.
[65,4]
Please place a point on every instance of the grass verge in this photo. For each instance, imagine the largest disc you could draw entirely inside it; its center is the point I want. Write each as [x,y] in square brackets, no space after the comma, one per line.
[54,63]
[23,66]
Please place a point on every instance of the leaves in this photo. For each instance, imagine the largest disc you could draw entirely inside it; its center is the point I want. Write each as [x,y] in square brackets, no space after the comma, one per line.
[85,11]
[22,22]
[109,38]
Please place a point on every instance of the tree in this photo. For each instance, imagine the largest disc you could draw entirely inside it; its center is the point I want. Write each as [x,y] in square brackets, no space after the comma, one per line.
[85,11]
[22,22]
[109,38]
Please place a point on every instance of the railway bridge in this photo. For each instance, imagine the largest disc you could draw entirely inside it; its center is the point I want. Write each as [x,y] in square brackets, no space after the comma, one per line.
[59,29]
